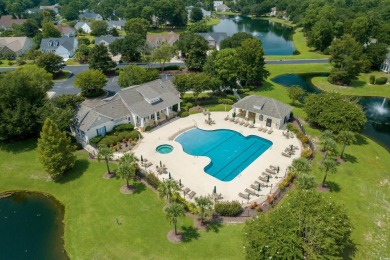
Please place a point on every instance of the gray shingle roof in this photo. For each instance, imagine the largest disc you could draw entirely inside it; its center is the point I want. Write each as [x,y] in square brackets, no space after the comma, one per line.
[80,24]
[54,43]
[216,36]
[128,101]
[264,105]
[88,15]
[108,38]
[388,58]
[116,23]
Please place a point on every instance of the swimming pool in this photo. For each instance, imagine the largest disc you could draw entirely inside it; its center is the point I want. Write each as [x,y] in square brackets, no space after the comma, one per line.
[229,151]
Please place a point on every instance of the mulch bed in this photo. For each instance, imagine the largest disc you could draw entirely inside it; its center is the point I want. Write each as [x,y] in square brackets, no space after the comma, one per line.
[340,160]
[107,175]
[175,238]
[127,189]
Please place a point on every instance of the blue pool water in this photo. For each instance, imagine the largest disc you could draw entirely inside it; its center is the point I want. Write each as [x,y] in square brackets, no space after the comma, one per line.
[229,151]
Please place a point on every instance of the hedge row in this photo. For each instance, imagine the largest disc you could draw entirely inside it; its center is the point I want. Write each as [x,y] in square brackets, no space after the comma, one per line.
[228,209]
[116,137]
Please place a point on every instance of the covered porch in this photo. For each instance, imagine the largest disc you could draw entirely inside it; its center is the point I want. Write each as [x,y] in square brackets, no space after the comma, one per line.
[156,118]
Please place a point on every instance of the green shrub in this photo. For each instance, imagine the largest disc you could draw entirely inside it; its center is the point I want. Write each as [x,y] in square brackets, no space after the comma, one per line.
[232,97]
[124,127]
[307,153]
[74,142]
[240,91]
[148,128]
[229,91]
[381,81]
[372,79]
[245,90]
[304,139]
[184,114]
[96,139]
[117,137]
[228,209]
[153,180]
[226,101]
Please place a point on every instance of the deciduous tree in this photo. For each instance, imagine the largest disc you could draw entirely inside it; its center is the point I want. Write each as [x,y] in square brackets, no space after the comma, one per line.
[295,93]
[50,62]
[99,28]
[55,151]
[99,58]
[91,81]
[227,64]
[50,31]
[196,14]
[164,53]
[130,47]
[307,226]
[137,25]
[134,75]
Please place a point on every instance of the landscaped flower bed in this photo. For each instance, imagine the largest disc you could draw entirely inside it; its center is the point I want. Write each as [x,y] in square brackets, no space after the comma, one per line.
[122,138]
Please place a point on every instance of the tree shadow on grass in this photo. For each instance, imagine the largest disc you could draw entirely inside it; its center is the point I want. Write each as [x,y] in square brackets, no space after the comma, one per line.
[15,147]
[333,186]
[139,187]
[360,140]
[214,226]
[190,233]
[349,251]
[358,84]
[266,86]
[350,158]
[79,168]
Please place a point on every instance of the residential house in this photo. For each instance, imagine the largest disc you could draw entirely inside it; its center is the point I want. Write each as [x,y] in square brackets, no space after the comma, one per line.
[16,46]
[206,14]
[273,12]
[64,47]
[214,38]
[66,31]
[53,8]
[106,40]
[222,8]
[119,25]
[6,22]
[90,16]
[385,67]
[141,105]
[216,3]
[155,40]
[85,26]
[267,111]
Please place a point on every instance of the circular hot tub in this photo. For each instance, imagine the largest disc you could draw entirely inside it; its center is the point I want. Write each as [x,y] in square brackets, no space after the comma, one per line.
[164,148]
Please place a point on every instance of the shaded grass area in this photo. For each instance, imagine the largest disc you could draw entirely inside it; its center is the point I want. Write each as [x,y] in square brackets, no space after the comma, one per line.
[62,75]
[92,205]
[359,87]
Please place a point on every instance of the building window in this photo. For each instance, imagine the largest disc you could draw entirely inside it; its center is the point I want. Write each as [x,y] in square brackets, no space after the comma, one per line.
[261,117]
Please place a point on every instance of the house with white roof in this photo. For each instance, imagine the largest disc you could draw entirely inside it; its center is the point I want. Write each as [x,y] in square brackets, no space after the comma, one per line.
[64,47]
[85,26]
[264,110]
[222,8]
[140,105]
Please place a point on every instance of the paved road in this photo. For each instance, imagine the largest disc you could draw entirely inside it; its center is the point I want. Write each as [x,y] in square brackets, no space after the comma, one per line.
[67,87]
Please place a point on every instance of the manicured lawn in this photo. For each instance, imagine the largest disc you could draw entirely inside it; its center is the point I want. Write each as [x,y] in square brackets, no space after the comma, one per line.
[359,87]
[213,21]
[92,205]
[71,62]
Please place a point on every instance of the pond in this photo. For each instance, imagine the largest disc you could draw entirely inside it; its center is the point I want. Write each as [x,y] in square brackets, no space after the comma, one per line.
[377,109]
[276,38]
[31,227]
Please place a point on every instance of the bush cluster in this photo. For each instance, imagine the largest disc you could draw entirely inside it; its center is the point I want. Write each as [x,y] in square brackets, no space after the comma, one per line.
[124,127]
[381,81]
[307,153]
[303,138]
[286,181]
[188,206]
[153,180]
[226,101]
[96,139]
[172,67]
[148,128]
[184,114]
[114,138]
[372,79]
[228,209]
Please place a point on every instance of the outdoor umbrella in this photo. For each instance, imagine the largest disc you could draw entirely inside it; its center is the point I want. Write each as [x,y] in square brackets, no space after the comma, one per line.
[254,120]
[215,189]
[258,188]
[160,164]
[142,159]
[179,182]
[169,175]
[267,178]
[234,114]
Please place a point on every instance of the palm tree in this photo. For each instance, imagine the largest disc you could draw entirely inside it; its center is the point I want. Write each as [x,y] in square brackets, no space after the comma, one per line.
[105,154]
[127,171]
[174,211]
[301,166]
[346,138]
[328,165]
[327,134]
[129,159]
[329,146]
[169,189]
[203,204]
[306,182]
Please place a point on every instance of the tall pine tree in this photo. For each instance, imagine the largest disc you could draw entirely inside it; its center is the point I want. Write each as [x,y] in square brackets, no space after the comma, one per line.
[55,151]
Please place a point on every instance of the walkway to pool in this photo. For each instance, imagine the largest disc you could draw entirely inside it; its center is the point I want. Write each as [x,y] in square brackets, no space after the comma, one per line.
[190,169]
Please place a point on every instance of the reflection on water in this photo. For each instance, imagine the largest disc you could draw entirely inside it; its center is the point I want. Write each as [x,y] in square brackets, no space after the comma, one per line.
[276,38]
[377,109]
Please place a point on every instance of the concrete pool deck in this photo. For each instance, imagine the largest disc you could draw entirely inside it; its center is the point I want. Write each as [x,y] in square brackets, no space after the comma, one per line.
[190,169]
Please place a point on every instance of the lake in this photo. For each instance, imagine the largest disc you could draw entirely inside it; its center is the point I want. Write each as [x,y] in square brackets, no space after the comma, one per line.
[276,38]
[31,227]
[377,109]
